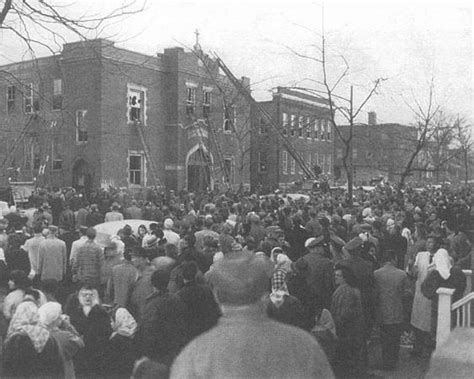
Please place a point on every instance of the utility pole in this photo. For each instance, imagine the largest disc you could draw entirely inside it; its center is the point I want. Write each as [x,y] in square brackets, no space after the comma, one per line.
[350,171]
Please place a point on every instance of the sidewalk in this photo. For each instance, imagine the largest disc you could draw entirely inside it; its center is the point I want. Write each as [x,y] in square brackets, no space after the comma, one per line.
[408,367]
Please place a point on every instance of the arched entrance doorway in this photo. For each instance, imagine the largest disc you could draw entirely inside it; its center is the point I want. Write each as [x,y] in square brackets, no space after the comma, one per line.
[199,173]
[81,177]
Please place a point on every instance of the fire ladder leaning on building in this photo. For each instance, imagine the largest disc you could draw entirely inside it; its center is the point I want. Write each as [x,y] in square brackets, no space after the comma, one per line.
[10,155]
[279,132]
[148,156]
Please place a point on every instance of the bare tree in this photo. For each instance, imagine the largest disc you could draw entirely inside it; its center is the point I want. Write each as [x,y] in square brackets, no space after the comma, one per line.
[340,106]
[463,131]
[44,24]
[427,124]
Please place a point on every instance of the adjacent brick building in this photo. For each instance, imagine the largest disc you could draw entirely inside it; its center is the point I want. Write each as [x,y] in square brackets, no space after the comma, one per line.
[74,120]
[304,119]
[378,151]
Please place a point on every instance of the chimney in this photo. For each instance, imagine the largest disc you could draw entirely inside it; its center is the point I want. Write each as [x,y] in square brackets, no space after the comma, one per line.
[372,118]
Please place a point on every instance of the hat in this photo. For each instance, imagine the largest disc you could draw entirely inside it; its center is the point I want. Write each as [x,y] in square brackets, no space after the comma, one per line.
[168,224]
[242,280]
[53,228]
[313,241]
[366,227]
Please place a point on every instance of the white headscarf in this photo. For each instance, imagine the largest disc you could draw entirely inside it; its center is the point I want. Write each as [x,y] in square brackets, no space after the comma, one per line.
[124,324]
[49,313]
[442,260]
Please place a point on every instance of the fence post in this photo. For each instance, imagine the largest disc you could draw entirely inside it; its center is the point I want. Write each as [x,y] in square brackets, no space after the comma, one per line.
[444,315]
[468,275]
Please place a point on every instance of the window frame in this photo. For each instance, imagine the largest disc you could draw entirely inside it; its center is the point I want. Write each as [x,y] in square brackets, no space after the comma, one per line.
[206,103]
[11,99]
[56,158]
[190,99]
[229,119]
[142,94]
[141,171]
[284,162]
[57,100]
[30,99]
[84,131]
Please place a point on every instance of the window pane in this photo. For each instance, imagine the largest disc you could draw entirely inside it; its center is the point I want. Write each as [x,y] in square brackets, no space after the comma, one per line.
[135,162]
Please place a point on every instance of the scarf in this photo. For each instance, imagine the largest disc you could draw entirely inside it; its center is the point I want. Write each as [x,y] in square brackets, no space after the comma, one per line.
[443,264]
[26,320]
[124,324]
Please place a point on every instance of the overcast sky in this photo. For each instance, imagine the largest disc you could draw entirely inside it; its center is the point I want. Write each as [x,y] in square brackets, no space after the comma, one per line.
[407,42]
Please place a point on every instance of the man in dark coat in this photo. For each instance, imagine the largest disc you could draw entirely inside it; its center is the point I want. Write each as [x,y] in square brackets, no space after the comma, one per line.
[320,274]
[162,330]
[364,277]
[202,311]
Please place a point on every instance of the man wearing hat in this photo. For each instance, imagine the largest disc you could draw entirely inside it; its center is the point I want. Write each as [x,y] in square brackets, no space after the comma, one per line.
[320,273]
[142,287]
[364,275]
[246,343]
[114,214]
[52,254]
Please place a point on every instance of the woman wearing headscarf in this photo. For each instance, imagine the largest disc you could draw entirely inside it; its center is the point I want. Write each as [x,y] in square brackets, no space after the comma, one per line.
[93,323]
[29,350]
[65,335]
[19,285]
[121,350]
[442,274]
[282,268]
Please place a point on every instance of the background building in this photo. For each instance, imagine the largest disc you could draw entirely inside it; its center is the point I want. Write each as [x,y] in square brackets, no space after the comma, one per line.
[304,119]
[97,115]
[378,151]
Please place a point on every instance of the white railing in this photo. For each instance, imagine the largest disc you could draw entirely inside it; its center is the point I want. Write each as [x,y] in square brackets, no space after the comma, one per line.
[462,310]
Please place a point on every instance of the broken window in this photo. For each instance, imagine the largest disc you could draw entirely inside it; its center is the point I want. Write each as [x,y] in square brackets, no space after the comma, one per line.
[57,94]
[136,104]
[81,126]
[31,98]
[206,103]
[11,97]
[229,118]
[190,100]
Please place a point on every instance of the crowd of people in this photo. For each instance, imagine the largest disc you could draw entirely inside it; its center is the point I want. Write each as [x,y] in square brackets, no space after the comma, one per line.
[226,285]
